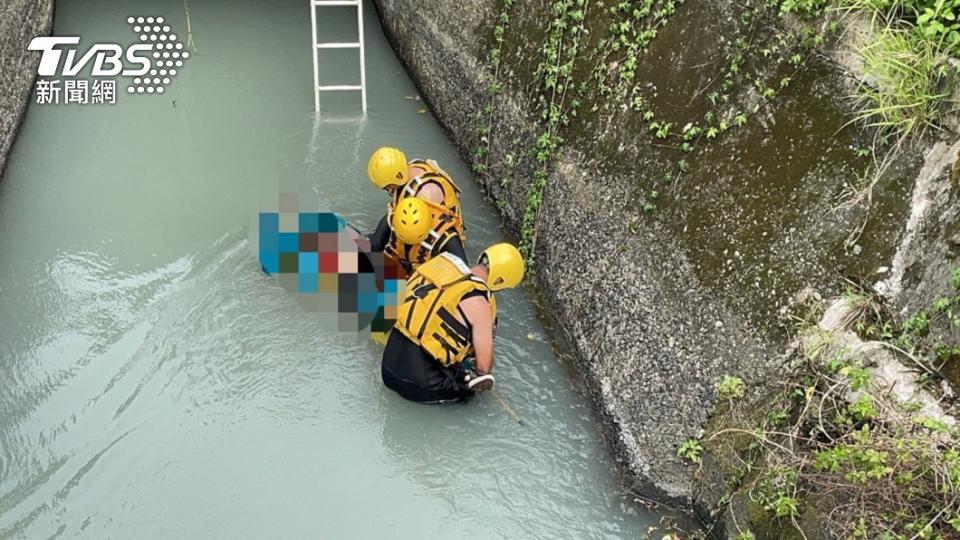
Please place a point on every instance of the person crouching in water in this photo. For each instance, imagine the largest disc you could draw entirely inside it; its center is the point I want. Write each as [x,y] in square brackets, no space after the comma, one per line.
[416,188]
[447,317]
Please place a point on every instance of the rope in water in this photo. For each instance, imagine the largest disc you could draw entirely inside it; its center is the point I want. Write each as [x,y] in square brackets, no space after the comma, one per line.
[506,407]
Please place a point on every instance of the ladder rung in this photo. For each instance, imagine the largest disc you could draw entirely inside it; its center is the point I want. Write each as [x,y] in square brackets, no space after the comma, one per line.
[333,45]
[339,87]
[316,45]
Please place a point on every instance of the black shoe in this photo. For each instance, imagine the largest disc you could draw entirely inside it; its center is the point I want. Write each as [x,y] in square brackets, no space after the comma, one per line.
[479,383]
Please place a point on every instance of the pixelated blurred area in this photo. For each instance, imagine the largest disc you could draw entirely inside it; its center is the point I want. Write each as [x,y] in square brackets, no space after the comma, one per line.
[327,264]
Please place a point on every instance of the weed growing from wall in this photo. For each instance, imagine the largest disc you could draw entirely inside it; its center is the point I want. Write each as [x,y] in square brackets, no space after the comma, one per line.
[830,440]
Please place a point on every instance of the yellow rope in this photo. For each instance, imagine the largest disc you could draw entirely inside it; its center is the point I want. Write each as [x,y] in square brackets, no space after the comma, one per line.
[506,407]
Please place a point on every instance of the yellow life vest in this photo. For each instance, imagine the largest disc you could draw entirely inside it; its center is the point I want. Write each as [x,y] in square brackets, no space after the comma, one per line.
[427,314]
[447,220]
[450,207]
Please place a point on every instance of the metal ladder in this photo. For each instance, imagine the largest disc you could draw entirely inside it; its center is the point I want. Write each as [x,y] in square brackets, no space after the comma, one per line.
[317,88]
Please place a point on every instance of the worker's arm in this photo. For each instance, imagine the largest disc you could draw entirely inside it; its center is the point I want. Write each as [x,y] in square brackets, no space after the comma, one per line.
[477,310]
[380,236]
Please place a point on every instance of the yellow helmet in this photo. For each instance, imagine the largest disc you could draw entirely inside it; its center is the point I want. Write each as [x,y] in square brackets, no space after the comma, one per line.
[387,167]
[411,220]
[504,266]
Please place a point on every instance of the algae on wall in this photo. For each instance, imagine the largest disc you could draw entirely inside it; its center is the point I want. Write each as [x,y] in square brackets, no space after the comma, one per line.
[725,129]
[676,169]
[654,362]
[20,21]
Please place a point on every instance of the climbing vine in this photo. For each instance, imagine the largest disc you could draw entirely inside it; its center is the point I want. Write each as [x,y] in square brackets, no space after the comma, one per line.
[482,153]
[590,58]
[634,26]
[555,73]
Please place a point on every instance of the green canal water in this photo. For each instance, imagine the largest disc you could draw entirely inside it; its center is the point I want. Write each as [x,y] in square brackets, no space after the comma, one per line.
[154,383]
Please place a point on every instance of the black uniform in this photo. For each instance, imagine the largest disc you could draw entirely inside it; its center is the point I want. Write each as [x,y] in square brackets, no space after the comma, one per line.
[409,371]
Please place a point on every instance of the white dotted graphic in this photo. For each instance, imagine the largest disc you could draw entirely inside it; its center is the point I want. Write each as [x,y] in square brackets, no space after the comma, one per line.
[167,52]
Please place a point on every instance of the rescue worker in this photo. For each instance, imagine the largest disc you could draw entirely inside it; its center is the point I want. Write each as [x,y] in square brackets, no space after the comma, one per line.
[389,170]
[441,347]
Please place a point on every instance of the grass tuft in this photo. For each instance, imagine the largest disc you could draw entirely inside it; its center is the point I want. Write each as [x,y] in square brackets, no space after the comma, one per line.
[908,83]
